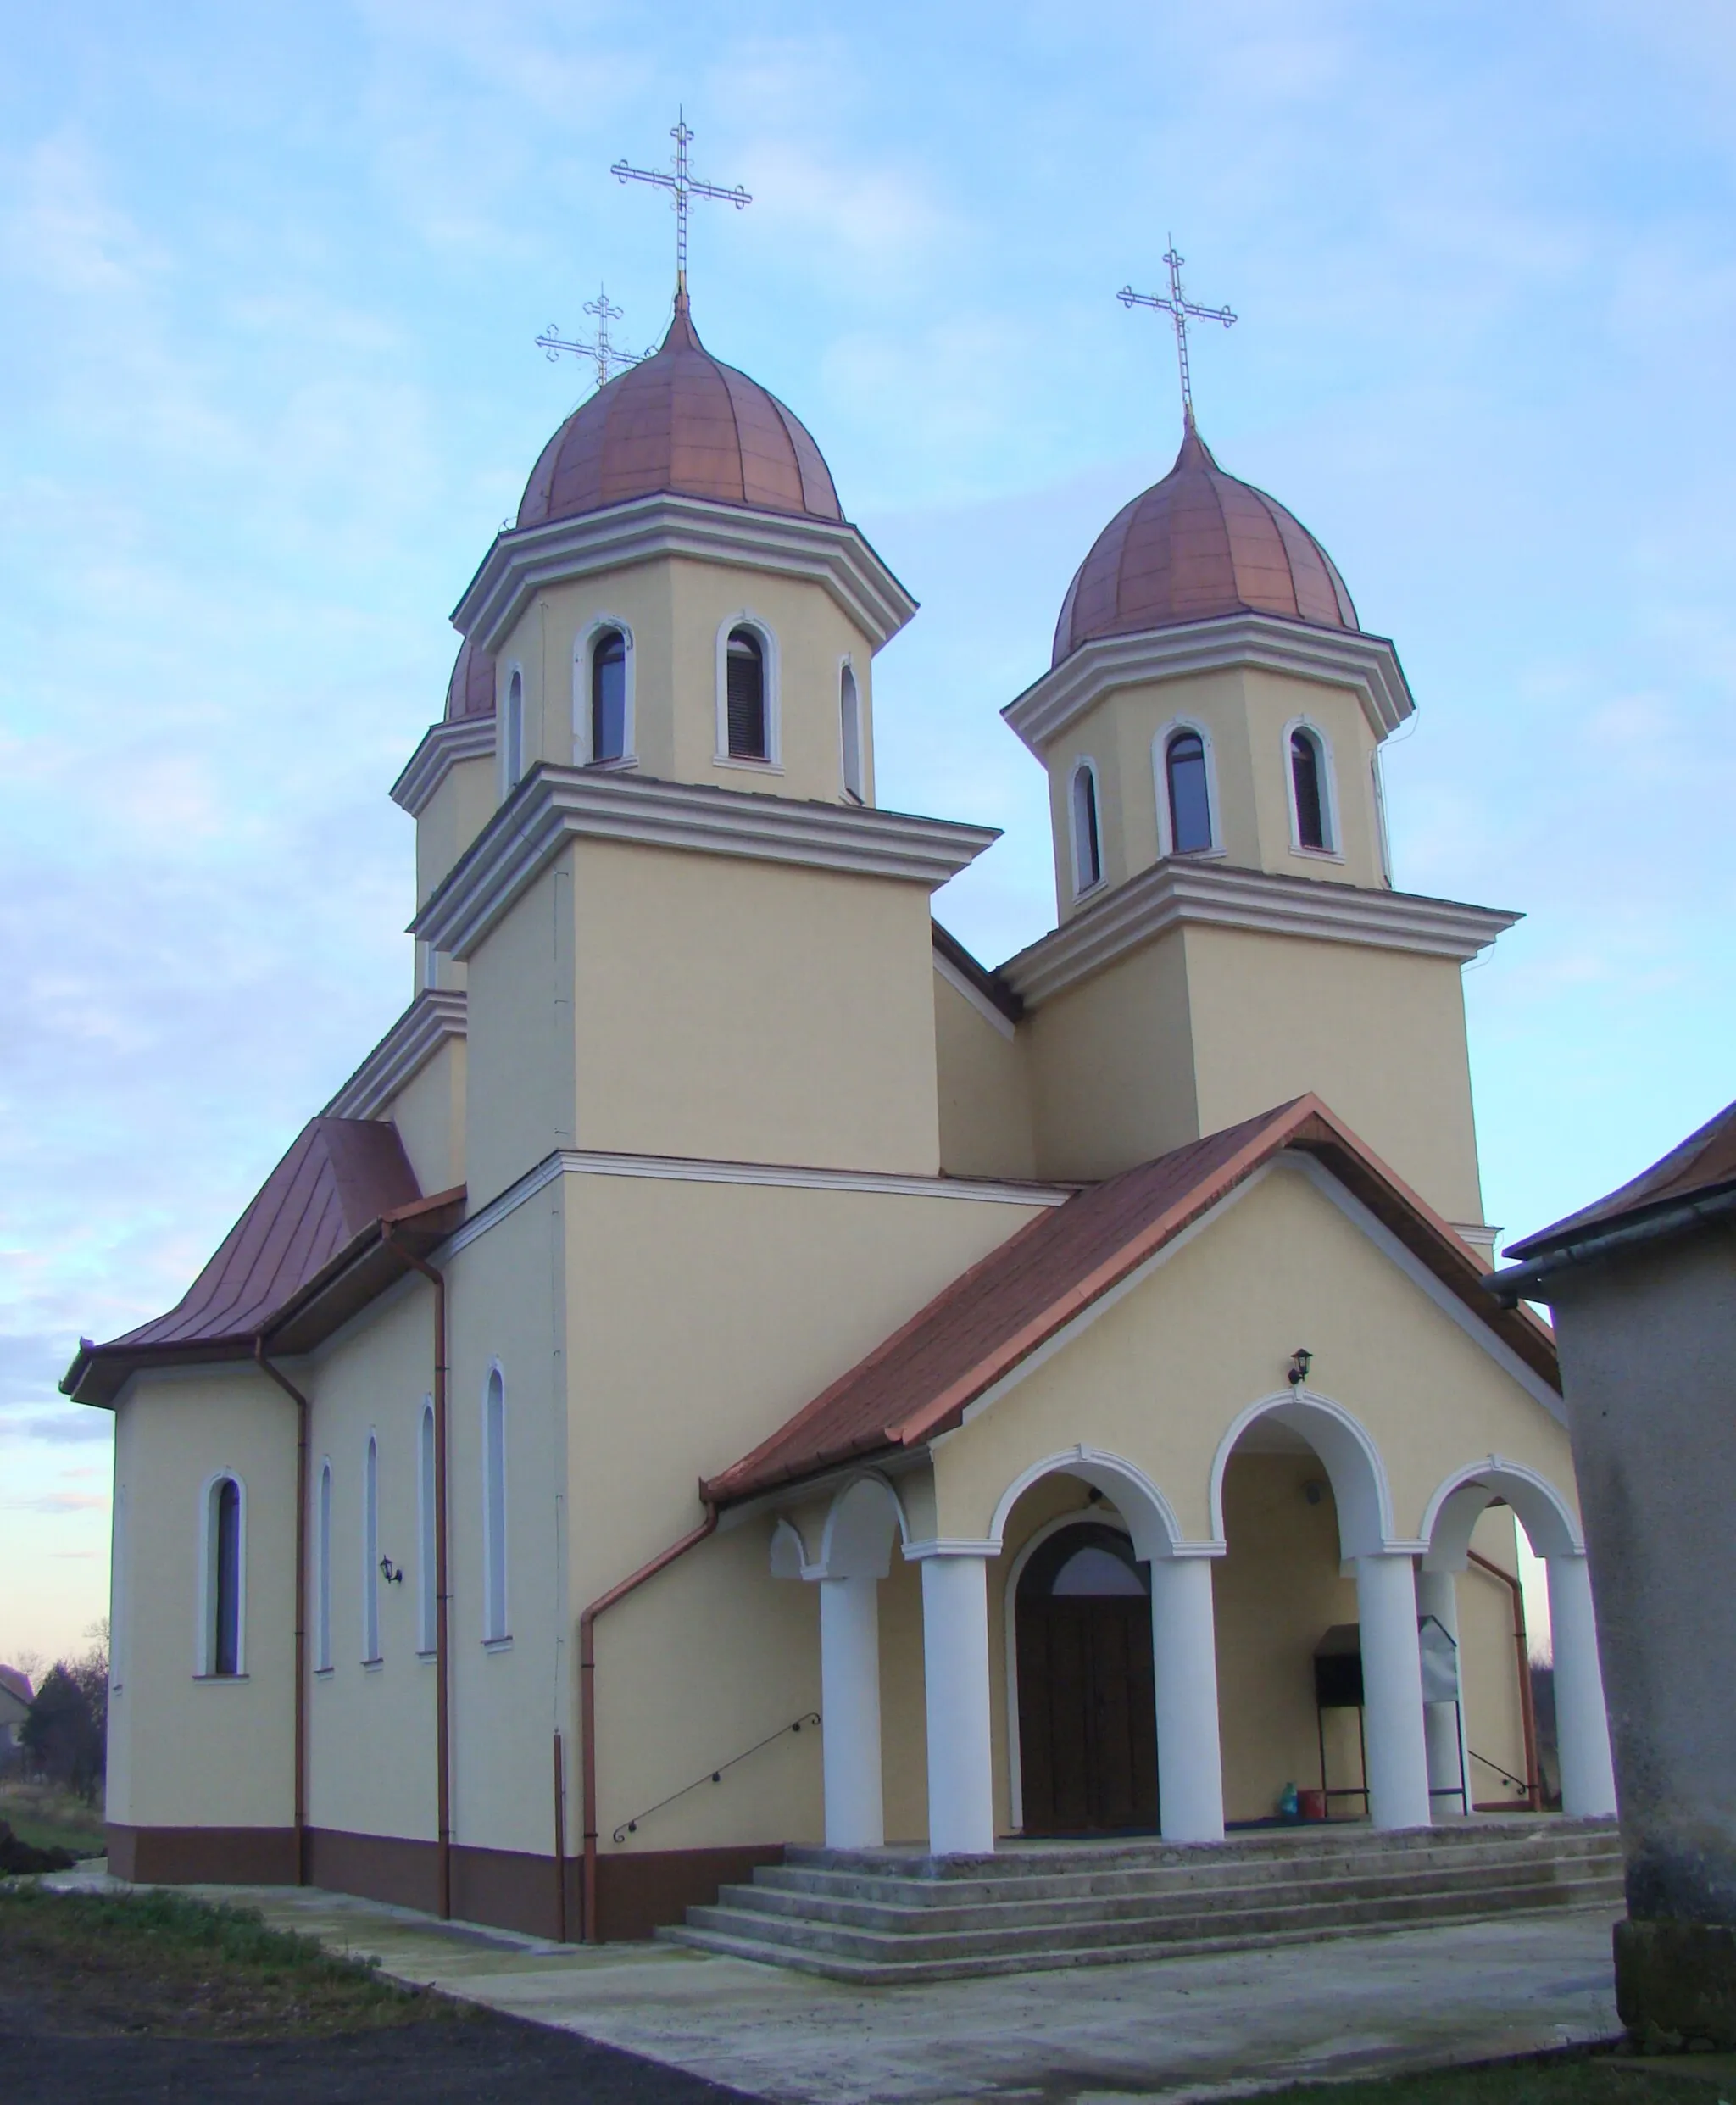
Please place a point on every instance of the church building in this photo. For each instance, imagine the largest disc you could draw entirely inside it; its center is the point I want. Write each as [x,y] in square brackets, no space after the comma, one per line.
[729,1370]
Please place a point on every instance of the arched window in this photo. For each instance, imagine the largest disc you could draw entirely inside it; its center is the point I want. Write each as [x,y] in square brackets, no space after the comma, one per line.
[608,695]
[427,1570]
[224,1576]
[371,1553]
[1189,796]
[1087,849]
[849,708]
[744,695]
[494,1623]
[322,1575]
[513,743]
[1308,789]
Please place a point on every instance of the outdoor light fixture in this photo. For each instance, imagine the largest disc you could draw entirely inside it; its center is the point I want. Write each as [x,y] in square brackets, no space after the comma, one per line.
[1300,1361]
[392,1573]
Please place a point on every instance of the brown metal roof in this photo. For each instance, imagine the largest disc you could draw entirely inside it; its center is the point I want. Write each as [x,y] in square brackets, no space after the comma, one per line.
[302,1241]
[919,1382]
[470,690]
[685,422]
[1195,545]
[987,982]
[1703,1165]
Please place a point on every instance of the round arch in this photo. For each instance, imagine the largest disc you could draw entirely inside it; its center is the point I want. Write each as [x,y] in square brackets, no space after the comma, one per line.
[1151,1519]
[1348,1453]
[1458,1503]
[864,1520]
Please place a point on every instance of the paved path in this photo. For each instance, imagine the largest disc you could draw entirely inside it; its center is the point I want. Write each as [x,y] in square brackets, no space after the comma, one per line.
[1174,2029]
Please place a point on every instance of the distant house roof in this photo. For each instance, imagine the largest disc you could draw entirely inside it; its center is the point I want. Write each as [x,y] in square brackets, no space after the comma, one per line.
[310,1249]
[17,1683]
[919,1382]
[1691,1182]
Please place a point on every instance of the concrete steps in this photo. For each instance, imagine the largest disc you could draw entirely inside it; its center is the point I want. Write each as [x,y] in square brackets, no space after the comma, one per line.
[882,1916]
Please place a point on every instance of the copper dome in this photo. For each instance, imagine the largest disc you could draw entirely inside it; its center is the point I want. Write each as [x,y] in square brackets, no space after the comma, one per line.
[685,422]
[470,690]
[1196,545]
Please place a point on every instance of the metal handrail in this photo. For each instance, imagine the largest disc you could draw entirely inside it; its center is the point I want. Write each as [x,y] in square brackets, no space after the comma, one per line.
[715,1775]
[1507,1774]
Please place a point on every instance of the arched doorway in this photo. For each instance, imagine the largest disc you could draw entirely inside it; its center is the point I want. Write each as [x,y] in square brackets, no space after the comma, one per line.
[1087,1736]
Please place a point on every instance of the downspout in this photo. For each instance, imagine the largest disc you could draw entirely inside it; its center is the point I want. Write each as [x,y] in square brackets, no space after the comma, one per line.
[588,1699]
[300,1402]
[1528,1707]
[443,1721]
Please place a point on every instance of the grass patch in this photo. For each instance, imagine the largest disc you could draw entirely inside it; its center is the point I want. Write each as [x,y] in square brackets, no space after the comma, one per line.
[164,1964]
[1597,2079]
[48,1818]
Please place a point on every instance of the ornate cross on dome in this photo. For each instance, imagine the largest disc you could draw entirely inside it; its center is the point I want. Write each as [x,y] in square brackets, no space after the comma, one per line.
[1178,309]
[684,186]
[603,351]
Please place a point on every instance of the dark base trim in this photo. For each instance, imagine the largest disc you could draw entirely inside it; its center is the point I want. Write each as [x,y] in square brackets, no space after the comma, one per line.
[504,1889]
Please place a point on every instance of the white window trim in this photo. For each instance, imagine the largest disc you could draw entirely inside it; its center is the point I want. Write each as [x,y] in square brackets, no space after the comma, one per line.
[205,1647]
[744,617]
[858,790]
[371,1653]
[1160,789]
[1335,850]
[1082,887]
[508,781]
[583,645]
[427,1576]
[322,1567]
[496,1628]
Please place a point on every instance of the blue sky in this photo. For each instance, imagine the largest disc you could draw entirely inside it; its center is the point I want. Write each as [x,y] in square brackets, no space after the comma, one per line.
[272,277]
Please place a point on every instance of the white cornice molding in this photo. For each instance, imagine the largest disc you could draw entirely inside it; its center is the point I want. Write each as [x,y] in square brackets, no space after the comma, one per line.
[1367,665]
[443,746]
[1174,893]
[555,804]
[437,1013]
[524,560]
[776,1176]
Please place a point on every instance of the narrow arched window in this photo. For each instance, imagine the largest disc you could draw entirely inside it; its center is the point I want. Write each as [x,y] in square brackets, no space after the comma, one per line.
[608,696]
[1190,801]
[370,1552]
[1087,851]
[427,1569]
[1309,788]
[322,1575]
[494,1623]
[744,695]
[226,1555]
[849,708]
[513,757]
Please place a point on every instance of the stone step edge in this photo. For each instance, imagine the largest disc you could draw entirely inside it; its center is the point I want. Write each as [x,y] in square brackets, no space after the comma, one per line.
[870,1974]
[798,1933]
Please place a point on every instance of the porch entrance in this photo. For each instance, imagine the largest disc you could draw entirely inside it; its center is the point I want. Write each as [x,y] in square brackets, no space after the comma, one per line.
[1087,1732]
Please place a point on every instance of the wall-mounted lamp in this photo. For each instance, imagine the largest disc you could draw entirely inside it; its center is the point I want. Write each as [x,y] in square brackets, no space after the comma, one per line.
[391,1573]
[1300,1361]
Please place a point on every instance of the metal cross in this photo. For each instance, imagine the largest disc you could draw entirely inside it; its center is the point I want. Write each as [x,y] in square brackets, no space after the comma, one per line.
[684,186]
[1178,311]
[603,351]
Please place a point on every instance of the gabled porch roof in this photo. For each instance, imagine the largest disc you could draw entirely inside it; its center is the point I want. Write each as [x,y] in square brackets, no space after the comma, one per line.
[919,1383]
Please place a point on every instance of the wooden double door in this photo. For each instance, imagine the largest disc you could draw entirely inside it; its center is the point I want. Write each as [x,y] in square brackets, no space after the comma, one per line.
[1088,1734]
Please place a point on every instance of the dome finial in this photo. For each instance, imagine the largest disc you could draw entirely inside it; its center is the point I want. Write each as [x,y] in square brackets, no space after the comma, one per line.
[1178,309]
[603,351]
[685,185]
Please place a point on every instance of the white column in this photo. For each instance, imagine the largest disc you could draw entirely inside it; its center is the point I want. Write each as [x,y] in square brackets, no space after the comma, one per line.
[850,1706]
[1582,1726]
[1443,1723]
[1392,1692]
[956,1675]
[1184,1661]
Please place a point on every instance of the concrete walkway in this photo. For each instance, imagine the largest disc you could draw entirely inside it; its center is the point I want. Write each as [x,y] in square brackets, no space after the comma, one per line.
[1172,2029]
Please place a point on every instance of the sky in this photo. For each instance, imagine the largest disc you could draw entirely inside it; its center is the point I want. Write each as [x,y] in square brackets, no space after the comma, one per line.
[272,277]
